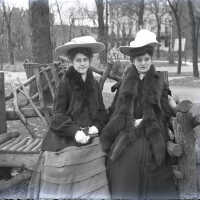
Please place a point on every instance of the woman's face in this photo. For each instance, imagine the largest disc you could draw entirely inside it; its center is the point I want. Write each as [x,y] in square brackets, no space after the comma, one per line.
[143,63]
[81,63]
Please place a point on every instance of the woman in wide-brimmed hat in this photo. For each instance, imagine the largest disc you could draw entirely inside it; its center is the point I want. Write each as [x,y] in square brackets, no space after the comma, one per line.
[136,135]
[72,163]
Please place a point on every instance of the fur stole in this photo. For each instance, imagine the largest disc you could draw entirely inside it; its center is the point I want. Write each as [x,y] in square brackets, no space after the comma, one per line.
[151,125]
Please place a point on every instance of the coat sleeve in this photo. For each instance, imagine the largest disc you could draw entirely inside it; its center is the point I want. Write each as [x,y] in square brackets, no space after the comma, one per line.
[62,124]
[102,116]
[114,88]
[116,123]
[121,112]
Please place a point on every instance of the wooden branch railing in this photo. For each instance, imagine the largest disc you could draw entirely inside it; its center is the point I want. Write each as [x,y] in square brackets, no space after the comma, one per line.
[26,83]
[28,113]
[45,68]
[45,77]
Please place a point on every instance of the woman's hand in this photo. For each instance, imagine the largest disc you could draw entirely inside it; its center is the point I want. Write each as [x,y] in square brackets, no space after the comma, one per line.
[93,130]
[137,122]
[81,137]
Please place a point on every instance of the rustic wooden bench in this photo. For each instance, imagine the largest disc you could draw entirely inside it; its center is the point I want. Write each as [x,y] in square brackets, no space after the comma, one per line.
[17,150]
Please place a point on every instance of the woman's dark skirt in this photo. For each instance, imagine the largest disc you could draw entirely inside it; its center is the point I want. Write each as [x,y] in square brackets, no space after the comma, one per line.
[134,175]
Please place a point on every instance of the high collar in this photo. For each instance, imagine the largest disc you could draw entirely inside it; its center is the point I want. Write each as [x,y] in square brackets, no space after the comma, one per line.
[77,81]
[152,84]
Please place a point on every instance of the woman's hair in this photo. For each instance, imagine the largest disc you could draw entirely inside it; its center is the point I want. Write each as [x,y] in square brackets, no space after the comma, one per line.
[86,51]
[141,51]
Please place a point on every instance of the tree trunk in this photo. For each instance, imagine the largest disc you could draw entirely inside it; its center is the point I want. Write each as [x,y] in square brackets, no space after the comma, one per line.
[158,38]
[194,32]
[195,57]
[141,14]
[179,44]
[70,32]
[130,28]
[40,37]
[1,56]
[7,16]
[118,34]
[196,50]
[61,22]
[40,27]
[101,28]
[10,46]
[1,61]
[171,52]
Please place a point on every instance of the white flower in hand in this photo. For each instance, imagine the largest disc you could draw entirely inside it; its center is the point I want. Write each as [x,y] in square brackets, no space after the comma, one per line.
[93,130]
[81,137]
[137,122]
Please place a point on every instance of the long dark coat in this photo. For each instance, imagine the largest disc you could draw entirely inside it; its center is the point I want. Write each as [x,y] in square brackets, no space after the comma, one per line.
[142,169]
[77,104]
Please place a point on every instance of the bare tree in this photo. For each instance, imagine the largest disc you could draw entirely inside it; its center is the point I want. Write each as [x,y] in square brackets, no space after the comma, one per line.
[101,28]
[159,9]
[1,39]
[7,12]
[40,26]
[71,22]
[134,9]
[40,38]
[115,17]
[91,15]
[61,20]
[19,26]
[176,10]
[140,13]
[128,9]
[195,25]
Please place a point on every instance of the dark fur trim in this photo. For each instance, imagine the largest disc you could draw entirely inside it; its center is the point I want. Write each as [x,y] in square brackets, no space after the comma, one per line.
[77,82]
[86,94]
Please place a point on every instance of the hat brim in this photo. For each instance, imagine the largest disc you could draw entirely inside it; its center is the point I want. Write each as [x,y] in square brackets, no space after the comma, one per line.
[128,50]
[96,47]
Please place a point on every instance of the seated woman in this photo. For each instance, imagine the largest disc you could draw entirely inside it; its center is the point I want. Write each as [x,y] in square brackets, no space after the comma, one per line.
[136,135]
[72,161]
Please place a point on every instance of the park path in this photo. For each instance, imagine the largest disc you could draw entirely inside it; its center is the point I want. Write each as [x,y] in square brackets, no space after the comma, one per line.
[189,93]
[185,68]
[184,93]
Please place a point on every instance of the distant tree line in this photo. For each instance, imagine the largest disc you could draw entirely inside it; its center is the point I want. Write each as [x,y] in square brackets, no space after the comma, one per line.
[14,34]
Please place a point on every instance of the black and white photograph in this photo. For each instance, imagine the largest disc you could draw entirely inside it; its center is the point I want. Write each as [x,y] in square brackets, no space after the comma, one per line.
[100,99]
